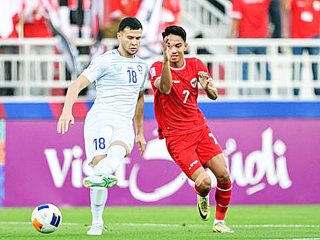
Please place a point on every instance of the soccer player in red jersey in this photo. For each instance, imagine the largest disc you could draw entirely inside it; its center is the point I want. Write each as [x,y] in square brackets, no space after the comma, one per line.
[305,23]
[189,140]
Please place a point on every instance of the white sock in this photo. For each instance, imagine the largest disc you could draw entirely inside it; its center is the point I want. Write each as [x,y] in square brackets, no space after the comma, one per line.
[98,198]
[111,162]
[217,221]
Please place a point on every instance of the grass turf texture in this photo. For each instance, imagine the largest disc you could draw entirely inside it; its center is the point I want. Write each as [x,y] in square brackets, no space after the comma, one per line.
[163,223]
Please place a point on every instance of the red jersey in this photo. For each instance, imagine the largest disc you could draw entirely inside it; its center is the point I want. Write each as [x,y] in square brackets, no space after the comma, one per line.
[253,16]
[305,18]
[34,16]
[178,113]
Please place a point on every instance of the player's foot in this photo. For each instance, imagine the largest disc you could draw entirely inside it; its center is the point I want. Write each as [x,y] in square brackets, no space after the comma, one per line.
[203,207]
[96,180]
[96,229]
[221,227]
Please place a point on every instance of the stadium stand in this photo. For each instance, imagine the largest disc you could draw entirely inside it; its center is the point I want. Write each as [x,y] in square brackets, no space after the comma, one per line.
[198,17]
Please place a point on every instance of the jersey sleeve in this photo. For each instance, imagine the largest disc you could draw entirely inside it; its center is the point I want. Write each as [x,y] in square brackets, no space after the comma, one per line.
[236,10]
[96,68]
[201,67]
[145,78]
[155,74]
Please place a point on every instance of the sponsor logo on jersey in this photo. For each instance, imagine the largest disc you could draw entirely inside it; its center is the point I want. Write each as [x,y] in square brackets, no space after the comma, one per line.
[117,67]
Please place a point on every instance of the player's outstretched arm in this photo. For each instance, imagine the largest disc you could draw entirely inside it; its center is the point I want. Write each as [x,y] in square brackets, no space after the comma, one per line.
[138,123]
[207,84]
[66,116]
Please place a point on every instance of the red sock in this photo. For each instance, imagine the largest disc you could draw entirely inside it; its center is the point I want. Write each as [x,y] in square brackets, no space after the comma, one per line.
[223,196]
[200,192]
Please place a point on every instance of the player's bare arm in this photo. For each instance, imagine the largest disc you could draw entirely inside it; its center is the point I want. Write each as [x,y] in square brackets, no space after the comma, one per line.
[138,123]
[233,32]
[234,28]
[166,78]
[207,84]
[66,116]
[285,5]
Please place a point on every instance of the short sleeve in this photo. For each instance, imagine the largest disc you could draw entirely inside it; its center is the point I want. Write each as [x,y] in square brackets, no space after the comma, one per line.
[96,68]
[145,79]
[201,67]
[236,10]
[155,74]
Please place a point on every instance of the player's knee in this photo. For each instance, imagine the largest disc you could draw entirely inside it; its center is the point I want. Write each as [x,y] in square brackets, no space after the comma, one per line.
[206,183]
[223,177]
[203,181]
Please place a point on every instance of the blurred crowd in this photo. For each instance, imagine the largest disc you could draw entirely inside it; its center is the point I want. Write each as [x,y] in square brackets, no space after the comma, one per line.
[68,20]
[81,18]
[298,19]
[97,19]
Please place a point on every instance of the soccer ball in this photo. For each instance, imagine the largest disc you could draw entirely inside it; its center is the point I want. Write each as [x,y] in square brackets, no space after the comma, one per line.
[46,218]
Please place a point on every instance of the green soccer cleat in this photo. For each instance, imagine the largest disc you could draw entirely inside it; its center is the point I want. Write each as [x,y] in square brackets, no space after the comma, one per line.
[221,227]
[99,180]
[203,207]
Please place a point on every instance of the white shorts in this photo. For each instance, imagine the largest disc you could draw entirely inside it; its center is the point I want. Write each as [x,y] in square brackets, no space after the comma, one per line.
[100,133]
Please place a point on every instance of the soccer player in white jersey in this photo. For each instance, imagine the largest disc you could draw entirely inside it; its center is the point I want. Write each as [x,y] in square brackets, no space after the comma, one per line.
[119,76]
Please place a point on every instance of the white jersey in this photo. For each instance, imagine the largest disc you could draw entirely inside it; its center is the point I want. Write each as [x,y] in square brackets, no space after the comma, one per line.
[118,83]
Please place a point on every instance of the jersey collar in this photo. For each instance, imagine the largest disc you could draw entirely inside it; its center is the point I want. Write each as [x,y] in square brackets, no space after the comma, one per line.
[180,68]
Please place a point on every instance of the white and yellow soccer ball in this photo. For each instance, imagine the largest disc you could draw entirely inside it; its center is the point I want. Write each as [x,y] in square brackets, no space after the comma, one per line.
[46,218]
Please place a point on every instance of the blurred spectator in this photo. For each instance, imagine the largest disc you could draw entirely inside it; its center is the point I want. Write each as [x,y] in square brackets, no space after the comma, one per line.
[170,15]
[9,12]
[305,23]
[64,16]
[80,18]
[34,15]
[249,19]
[115,11]
[155,15]
[275,18]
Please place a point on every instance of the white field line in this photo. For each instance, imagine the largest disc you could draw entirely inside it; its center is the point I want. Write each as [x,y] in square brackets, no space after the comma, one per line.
[186,225]
[292,238]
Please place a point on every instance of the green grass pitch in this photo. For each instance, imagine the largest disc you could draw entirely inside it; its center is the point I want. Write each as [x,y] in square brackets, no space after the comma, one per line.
[171,223]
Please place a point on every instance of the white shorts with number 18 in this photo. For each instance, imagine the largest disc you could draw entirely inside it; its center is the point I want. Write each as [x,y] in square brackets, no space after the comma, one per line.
[100,132]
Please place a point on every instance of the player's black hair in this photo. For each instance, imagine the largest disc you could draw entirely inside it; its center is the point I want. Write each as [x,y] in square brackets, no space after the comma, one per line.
[130,22]
[175,30]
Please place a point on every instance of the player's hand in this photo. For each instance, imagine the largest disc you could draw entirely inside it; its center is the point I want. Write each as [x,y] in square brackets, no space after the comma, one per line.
[63,122]
[206,83]
[141,143]
[204,79]
[166,49]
